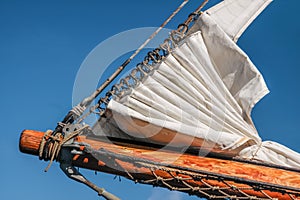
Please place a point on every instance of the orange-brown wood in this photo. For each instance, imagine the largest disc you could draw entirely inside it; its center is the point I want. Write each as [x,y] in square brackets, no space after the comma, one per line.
[30,141]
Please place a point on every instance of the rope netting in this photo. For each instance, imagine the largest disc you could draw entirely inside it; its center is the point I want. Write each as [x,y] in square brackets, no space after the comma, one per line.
[203,184]
[214,186]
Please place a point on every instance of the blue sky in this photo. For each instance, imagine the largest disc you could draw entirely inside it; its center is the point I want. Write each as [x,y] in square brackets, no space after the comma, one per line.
[43,44]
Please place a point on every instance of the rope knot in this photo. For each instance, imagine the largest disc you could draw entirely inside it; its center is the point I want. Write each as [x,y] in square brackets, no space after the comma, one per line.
[51,144]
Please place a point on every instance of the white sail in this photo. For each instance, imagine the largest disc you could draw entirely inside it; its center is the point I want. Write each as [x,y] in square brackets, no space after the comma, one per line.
[198,90]
[202,92]
[234,16]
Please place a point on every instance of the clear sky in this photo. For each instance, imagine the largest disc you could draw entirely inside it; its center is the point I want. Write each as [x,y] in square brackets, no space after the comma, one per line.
[43,44]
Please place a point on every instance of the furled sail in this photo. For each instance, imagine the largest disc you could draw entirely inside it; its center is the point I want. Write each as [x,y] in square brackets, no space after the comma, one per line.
[201,95]
[196,92]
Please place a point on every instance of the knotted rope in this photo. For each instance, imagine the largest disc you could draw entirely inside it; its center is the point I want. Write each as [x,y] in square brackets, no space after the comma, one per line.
[51,150]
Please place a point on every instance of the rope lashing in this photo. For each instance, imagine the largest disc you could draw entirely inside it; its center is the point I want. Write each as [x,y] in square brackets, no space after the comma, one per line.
[55,142]
[50,148]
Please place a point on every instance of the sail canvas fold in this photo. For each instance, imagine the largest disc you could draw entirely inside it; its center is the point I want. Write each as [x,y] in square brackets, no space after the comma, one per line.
[204,89]
[181,119]
[234,67]
[187,93]
[234,16]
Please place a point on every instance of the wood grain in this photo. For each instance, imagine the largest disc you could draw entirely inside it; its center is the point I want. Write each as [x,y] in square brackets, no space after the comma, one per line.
[30,141]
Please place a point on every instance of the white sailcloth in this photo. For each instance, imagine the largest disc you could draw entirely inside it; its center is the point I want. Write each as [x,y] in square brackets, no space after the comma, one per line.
[234,16]
[205,88]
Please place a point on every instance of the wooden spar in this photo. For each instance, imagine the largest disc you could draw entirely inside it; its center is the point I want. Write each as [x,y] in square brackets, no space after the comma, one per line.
[240,174]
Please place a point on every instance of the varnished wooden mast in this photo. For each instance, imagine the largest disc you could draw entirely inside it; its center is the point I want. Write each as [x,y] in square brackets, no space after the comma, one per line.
[239,171]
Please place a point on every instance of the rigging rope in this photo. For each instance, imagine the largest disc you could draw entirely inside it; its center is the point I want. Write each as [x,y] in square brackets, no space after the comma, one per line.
[87,101]
[152,57]
[51,147]
[53,141]
[50,151]
[159,29]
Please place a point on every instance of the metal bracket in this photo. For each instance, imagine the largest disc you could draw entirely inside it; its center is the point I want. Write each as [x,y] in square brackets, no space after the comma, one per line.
[68,129]
[73,173]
